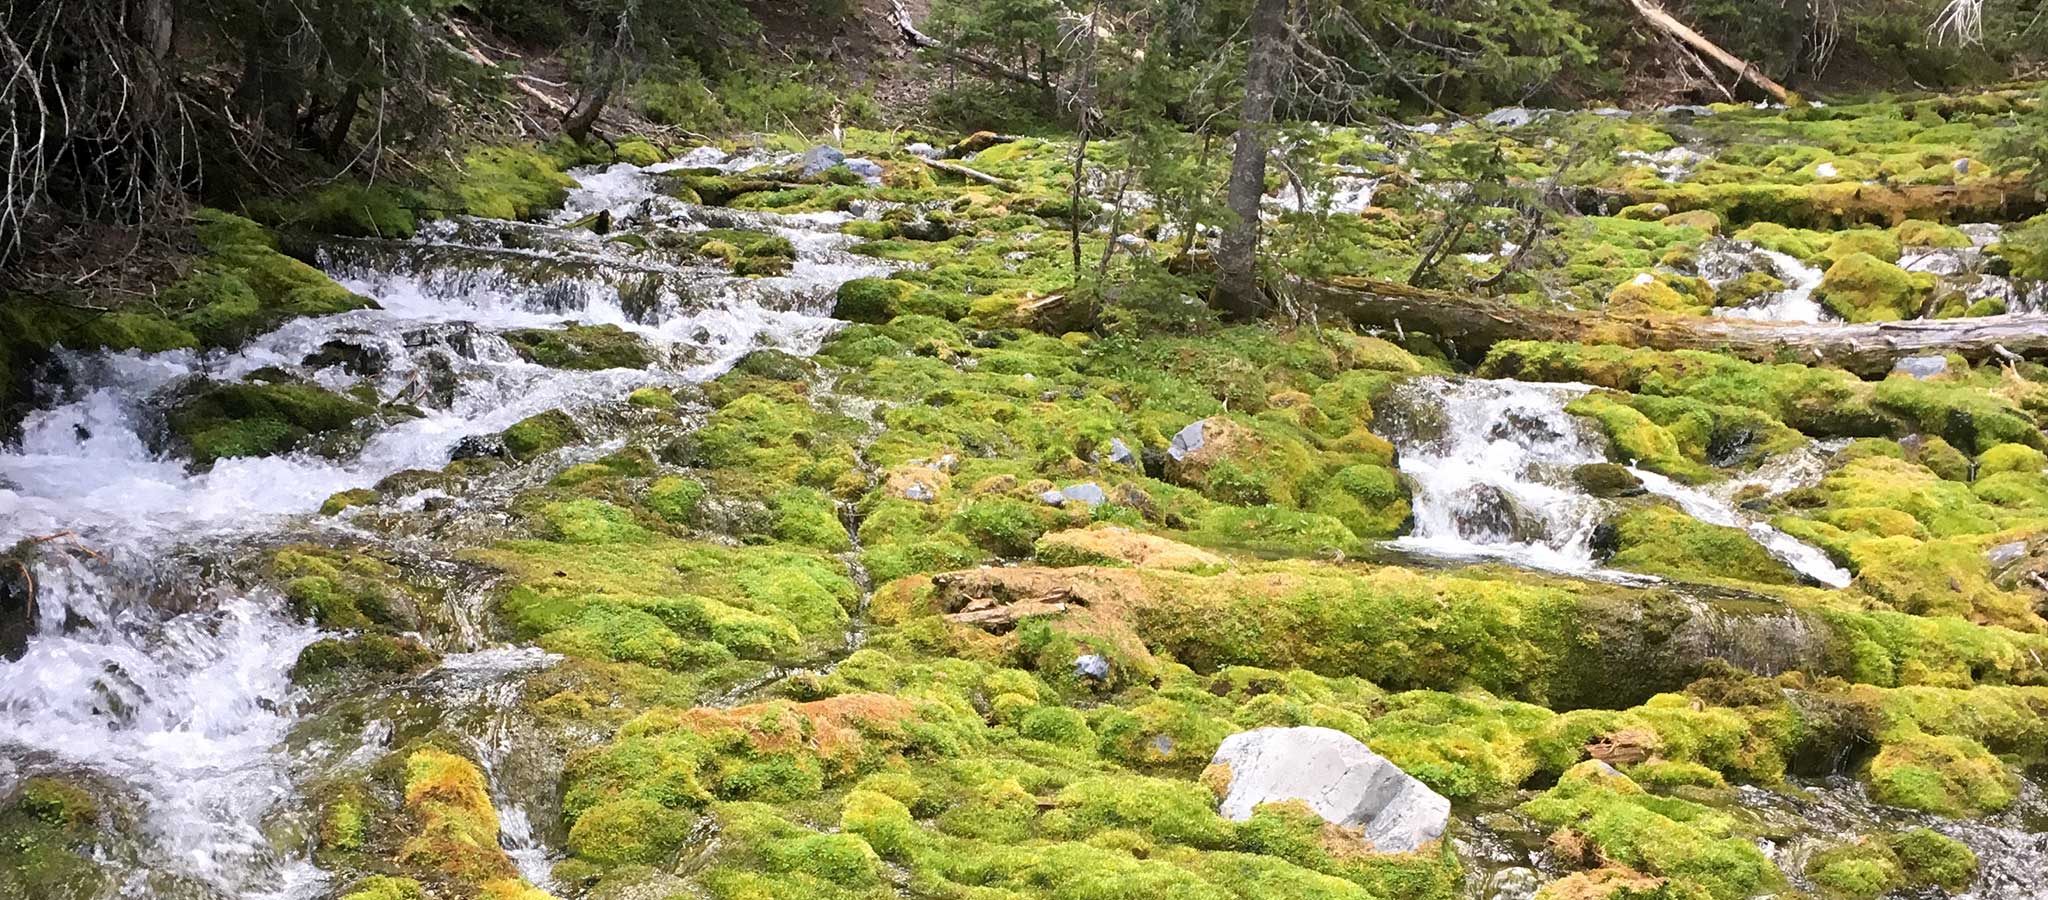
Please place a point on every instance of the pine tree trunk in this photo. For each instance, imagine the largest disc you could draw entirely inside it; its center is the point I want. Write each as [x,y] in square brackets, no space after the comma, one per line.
[1237,288]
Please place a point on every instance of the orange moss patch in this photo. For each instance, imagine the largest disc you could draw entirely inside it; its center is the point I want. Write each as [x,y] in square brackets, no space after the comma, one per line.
[458,833]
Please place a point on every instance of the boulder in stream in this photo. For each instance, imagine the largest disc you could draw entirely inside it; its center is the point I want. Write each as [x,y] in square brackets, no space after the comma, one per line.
[1337,777]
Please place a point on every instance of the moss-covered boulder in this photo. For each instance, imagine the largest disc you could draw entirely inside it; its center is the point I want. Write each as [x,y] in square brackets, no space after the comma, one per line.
[1860,287]
[540,433]
[588,347]
[1663,541]
[229,420]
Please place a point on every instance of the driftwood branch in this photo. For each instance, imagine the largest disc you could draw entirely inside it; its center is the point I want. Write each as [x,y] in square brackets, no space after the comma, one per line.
[470,48]
[952,168]
[1474,323]
[1663,21]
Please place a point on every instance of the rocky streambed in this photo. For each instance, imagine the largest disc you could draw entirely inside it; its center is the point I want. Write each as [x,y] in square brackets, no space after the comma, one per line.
[739,530]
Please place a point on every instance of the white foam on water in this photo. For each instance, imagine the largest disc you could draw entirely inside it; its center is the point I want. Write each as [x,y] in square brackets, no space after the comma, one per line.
[185,703]
[1492,480]
[1714,509]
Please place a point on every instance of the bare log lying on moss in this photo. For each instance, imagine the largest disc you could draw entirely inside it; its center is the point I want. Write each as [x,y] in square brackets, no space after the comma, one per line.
[1471,324]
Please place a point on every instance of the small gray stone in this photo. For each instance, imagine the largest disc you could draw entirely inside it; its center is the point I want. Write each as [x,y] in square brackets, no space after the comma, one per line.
[1338,777]
[1054,497]
[819,158]
[868,170]
[1187,441]
[1162,743]
[1120,453]
[1963,166]
[1086,492]
[920,492]
[922,149]
[1922,367]
[2005,553]
[1091,665]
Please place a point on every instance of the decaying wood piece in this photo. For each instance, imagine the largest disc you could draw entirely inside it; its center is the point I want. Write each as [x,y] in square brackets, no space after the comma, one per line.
[1664,22]
[998,618]
[1473,323]
[470,48]
[952,168]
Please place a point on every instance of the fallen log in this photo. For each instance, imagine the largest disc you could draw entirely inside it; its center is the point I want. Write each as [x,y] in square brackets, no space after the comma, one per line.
[1663,21]
[965,172]
[1470,324]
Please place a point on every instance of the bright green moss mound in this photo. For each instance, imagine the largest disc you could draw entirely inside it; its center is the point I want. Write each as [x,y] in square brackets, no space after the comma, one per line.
[540,433]
[263,419]
[588,347]
[1660,540]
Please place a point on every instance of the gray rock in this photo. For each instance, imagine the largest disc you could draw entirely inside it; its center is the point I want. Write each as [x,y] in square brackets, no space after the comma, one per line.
[920,492]
[869,170]
[1054,497]
[1120,453]
[923,149]
[1963,166]
[1087,492]
[2005,553]
[819,158]
[1187,441]
[478,446]
[1922,367]
[1091,665]
[1338,777]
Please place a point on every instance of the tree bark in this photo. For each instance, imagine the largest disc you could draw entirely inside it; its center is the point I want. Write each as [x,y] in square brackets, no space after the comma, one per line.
[1471,324]
[1237,288]
[1663,21]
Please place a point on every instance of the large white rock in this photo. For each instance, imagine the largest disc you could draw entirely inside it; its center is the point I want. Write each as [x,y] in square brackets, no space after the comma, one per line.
[1338,777]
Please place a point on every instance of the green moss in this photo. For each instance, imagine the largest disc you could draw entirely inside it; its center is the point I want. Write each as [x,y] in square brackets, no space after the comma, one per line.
[1860,287]
[348,499]
[1684,841]
[457,834]
[591,522]
[639,153]
[1663,541]
[1930,857]
[629,831]
[653,398]
[1861,871]
[262,419]
[541,433]
[2016,458]
[1947,775]
[385,887]
[806,516]
[1880,244]
[510,183]
[675,499]
[1922,233]
[875,300]
[587,347]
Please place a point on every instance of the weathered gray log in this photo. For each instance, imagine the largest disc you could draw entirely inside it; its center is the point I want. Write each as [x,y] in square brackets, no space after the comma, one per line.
[965,172]
[1471,324]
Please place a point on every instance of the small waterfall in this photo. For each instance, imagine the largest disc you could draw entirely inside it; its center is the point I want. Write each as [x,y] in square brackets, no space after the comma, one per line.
[1721,260]
[1714,509]
[147,671]
[1491,464]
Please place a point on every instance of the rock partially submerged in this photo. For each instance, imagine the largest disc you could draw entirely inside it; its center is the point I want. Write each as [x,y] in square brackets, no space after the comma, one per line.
[1337,777]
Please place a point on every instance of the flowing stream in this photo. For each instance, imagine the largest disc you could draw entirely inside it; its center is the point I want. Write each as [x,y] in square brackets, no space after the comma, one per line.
[152,671]
[1491,465]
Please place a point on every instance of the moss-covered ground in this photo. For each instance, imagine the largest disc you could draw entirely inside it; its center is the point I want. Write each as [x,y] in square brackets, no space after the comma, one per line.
[822,640]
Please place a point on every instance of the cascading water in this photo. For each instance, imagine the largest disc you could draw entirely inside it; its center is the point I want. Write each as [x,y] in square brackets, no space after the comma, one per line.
[1491,462]
[1721,261]
[1491,466]
[148,672]
[1714,509]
